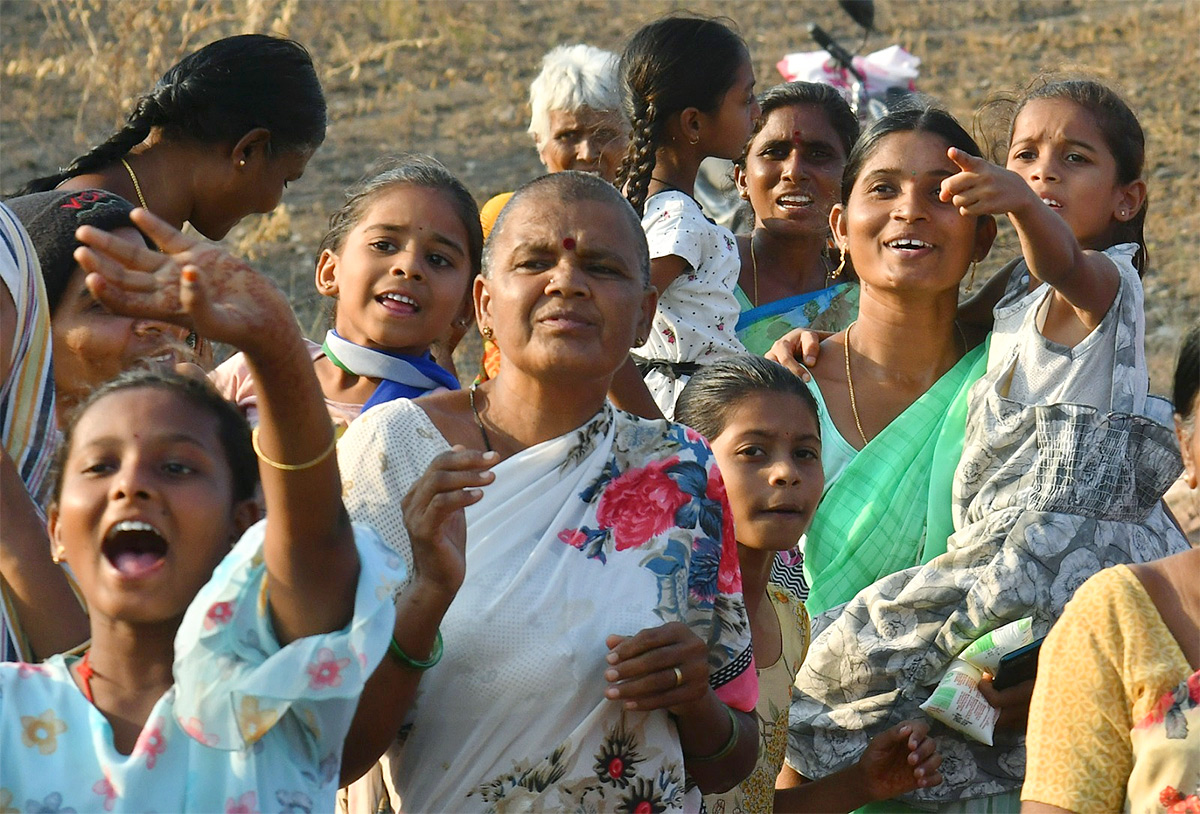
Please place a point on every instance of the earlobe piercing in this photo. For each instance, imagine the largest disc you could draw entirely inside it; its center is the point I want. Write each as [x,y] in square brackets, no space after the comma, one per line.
[242,162]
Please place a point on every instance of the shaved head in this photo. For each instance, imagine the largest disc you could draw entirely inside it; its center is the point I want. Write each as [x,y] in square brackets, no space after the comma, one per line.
[563,189]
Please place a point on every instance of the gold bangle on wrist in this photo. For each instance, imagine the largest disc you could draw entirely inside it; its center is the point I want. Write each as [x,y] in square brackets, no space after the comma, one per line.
[290,467]
[734,733]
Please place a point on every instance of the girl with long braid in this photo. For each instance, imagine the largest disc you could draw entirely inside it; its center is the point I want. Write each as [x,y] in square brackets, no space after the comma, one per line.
[688,90]
[217,138]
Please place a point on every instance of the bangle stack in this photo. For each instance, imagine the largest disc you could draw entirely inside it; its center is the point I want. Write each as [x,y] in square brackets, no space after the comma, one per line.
[408,661]
[734,733]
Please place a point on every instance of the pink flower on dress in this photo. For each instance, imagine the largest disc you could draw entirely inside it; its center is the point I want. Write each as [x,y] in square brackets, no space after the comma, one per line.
[218,614]
[326,671]
[243,805]
[729,574]
[151,743]
[195,730]
[640,503]
[104,788]
[573,537]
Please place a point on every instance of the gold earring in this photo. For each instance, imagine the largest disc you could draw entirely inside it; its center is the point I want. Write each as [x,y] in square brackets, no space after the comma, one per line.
[242,163]
[694,140]
[486,332]
[971,280]
[837,272]
[56,555]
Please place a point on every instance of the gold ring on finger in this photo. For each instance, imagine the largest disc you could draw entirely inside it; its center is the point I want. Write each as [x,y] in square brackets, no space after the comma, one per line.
[678,676]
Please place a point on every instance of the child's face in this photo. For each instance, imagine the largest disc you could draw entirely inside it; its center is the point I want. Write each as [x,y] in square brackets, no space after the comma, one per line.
[145,510]
[770,458]
[403,274]
[733,121]
[1060,152]
[899,234]
[794,170]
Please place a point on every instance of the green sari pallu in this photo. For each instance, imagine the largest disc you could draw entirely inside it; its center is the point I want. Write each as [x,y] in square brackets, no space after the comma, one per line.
[890,508]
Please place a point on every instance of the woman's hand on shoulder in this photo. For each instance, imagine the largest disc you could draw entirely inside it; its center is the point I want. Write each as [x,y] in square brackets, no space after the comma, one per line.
[664,667]
[796,346]
[433,514]
[190,282]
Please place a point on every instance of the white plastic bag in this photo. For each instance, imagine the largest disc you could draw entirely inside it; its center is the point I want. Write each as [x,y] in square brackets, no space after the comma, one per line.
[958,703]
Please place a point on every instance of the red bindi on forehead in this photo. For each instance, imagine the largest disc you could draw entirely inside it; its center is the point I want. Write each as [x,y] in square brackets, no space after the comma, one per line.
[569,244]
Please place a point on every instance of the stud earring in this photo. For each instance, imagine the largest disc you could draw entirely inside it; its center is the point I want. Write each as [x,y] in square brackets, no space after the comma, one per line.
[242,163]
[487,333]
[56,555]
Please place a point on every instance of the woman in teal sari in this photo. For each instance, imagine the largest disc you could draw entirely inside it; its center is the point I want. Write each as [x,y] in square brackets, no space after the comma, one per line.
[790,173]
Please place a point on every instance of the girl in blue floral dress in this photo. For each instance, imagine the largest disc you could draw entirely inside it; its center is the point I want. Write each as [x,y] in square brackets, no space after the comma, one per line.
[216,680]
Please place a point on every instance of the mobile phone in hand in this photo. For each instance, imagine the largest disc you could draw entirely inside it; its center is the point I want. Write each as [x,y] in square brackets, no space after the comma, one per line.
[1017,666]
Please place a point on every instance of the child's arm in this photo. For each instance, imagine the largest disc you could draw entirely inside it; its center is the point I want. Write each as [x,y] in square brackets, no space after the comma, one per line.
[312,564]
[437,531]
[1084,281]
[896,761]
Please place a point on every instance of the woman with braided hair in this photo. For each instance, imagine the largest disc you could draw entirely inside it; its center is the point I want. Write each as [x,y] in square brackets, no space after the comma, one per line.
[688,90]
[217,138]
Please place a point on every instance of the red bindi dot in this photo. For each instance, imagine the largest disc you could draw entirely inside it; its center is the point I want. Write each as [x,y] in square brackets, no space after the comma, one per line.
[796,136]
[569,244]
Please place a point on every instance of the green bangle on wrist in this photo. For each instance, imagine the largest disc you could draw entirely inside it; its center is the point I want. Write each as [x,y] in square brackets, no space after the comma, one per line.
[734,732]
[404,659]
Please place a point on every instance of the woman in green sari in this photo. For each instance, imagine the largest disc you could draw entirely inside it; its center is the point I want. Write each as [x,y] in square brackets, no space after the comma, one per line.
[893,384]
[789,173]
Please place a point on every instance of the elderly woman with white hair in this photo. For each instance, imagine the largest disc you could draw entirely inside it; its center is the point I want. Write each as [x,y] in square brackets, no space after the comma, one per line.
[576,123]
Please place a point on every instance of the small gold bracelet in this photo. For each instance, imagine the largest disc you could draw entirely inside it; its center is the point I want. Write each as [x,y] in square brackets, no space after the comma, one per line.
[290,467]
[734,733]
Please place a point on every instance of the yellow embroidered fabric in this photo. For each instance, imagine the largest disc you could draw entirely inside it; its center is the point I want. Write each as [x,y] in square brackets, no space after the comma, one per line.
[757,792]
[1103,667]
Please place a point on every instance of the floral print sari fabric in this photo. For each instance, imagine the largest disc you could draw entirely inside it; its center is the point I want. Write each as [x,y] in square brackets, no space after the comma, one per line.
[617,526]
[1046,494]
[248,726]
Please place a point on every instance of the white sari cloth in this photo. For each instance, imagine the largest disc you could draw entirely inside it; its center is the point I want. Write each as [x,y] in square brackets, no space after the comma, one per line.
[617,526]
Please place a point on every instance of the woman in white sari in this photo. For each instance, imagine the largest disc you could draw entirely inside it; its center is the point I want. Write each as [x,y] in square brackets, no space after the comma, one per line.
[598,654]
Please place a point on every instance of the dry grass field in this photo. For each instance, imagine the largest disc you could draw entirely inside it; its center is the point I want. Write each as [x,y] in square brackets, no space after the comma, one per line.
[450,78]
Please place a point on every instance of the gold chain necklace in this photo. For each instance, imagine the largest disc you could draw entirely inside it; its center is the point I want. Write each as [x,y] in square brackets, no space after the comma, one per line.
[850,385]
[136,186]
[754,266]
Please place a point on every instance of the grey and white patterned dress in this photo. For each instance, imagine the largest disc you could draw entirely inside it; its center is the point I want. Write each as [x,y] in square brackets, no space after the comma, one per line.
[1050,489]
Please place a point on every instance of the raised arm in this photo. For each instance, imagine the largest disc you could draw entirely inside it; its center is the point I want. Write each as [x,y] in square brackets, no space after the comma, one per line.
[1084,281]
[311,561]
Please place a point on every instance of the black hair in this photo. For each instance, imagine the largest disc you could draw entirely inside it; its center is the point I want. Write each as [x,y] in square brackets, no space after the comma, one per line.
[1187,375]
[918,118]
[715,390]
[232,429]
[793,94]
[573,186]
[216,95]
[1123,135]
[407,169]
[668,66]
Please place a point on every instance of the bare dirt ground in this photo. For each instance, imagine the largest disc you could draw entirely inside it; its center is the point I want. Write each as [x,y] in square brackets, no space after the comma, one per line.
[450,79]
